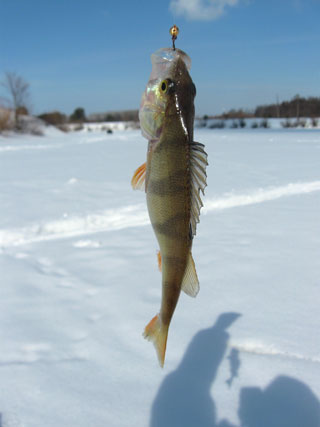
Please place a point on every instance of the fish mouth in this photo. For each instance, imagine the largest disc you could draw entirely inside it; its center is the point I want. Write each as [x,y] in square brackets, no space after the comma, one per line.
[170,67]
[164,57]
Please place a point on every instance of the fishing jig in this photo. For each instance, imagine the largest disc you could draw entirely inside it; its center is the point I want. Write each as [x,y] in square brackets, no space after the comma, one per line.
[174,31]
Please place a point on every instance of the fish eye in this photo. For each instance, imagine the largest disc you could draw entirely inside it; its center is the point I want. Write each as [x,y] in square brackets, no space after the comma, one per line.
[164,86]
[167,86]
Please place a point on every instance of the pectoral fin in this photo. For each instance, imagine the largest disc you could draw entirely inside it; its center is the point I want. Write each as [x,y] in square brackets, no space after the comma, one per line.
[138,179]
[190,282]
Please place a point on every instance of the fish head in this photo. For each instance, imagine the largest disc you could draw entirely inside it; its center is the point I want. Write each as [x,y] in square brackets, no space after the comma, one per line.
[169,94]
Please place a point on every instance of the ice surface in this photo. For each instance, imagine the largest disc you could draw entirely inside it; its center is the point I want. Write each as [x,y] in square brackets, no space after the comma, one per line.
[79,282]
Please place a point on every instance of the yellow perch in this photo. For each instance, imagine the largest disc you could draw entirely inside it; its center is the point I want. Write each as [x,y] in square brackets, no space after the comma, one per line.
[173,176]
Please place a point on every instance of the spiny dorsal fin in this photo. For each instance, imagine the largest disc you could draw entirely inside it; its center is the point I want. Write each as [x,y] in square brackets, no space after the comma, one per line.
[190,282]
[198,164]
[139,177]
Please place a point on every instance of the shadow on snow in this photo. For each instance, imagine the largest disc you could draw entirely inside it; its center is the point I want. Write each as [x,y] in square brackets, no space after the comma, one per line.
[286,402]
[184,397]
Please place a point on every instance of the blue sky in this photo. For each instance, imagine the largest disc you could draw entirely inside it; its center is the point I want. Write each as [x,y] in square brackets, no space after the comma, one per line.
[97,54]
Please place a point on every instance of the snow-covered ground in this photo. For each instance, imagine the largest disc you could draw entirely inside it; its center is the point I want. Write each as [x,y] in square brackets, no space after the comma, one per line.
[79,282]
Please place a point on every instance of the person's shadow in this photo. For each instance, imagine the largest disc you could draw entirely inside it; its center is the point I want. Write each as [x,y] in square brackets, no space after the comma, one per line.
[286,402]
[184,396]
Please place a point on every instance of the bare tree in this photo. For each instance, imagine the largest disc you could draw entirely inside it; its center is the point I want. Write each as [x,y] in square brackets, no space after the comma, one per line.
[18,90]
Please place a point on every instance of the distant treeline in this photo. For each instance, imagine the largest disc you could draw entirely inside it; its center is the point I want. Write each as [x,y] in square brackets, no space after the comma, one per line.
[297,107]
[115,116]
[57,118]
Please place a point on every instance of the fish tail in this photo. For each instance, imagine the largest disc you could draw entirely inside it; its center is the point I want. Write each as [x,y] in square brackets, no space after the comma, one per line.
[157,332]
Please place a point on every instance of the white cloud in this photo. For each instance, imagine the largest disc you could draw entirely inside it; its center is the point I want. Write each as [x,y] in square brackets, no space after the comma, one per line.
[201,10]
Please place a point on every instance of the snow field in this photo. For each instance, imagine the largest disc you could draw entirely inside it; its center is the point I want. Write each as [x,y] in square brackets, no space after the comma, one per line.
[79,282]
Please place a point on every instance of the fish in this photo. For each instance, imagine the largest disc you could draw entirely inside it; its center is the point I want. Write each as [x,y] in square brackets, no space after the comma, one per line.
[173,177]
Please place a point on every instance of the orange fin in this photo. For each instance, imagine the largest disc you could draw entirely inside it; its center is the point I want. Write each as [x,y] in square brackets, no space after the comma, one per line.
[157,333]
[159,260]
[139,177]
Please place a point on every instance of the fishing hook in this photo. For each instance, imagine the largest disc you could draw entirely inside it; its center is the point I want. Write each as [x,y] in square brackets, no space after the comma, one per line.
[174,31]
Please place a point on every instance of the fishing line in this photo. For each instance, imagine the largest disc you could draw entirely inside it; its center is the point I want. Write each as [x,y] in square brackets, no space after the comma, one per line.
[174,30]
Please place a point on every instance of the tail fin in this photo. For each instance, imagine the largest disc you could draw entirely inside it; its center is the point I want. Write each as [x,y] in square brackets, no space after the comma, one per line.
[157,333]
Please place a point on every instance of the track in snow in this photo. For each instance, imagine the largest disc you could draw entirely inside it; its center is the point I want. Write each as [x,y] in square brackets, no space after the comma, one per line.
[136,216]
[262,349]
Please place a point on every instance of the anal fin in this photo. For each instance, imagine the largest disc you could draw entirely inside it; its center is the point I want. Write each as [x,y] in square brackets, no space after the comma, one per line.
[190,282]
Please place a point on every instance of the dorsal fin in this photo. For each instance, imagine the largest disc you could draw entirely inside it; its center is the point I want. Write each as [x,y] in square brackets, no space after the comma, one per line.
[198,164]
